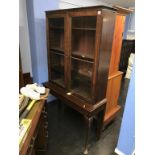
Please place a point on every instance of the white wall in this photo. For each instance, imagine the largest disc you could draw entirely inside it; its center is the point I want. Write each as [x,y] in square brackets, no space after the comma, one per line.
[79,3]
[64,4]
[126,140]
[24,38]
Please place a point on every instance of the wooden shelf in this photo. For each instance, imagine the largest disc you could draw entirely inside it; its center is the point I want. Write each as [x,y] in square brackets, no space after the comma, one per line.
[79,54]
[84,92]
[58,53]
[81,85]
[58,49]
[84,60]
[84,28]
[81,77]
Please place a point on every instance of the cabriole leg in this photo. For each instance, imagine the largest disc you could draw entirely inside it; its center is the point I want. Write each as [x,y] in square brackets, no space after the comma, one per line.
[88,125]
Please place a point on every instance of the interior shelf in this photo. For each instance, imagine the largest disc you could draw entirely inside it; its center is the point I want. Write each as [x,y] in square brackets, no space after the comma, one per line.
[84,28]
[83,60]
[58,75]
[84,92]
[85,56]
[81,84]
[85,78]
[83,44]
[57,50]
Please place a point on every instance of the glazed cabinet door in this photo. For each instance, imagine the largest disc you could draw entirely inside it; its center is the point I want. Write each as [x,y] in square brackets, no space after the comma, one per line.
[82,54]
[57,54]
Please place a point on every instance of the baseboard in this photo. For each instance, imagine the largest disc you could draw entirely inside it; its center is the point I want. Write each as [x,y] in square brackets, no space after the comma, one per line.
[119,152]
[133,152]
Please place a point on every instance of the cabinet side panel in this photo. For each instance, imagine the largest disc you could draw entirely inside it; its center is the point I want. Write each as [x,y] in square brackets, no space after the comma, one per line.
[105,53]
[117,44]
[113,91]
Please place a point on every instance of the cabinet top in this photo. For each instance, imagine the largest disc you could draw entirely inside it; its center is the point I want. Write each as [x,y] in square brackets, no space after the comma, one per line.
[84,8]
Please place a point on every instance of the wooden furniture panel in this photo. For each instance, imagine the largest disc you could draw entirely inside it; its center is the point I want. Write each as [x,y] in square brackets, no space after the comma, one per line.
[117,44]
[115,76]
[105,53]
[85,51]
[29,146]
[112,108]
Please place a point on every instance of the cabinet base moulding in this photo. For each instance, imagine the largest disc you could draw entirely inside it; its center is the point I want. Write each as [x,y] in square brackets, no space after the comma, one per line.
[111,115]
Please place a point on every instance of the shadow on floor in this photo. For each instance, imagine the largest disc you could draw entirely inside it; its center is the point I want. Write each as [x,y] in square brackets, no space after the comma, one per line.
[66,130]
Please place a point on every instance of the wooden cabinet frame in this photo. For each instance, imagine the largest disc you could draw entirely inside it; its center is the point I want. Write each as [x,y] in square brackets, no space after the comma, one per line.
[93,107]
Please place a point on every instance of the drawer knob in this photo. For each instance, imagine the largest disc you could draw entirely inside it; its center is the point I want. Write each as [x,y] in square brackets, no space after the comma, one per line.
[69,93]
[98,12]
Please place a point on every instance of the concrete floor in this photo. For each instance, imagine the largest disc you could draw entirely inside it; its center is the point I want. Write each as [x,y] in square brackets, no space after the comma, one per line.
[66,130]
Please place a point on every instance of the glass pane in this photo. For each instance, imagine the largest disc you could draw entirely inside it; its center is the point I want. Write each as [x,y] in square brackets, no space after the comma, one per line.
[57,70]
[81,76]
[83,37]
[57,34]
[83,44]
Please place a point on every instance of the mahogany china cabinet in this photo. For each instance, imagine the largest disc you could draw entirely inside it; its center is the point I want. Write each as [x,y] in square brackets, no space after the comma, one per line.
[79,44]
